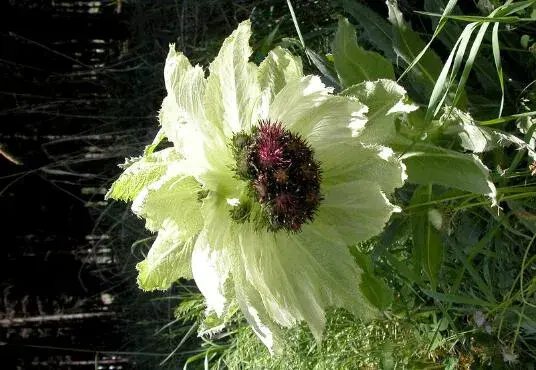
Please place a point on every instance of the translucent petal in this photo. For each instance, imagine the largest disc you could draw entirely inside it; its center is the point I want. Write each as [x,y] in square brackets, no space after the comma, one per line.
[210,270]
[275,71]
[252,307]
[346,161]
[205,149]
[298,276]
[352,212]
[168,259]
[386,100]
[182,115]
[221,231]
[173,122]
[186,84]
[172,198]
[293,104]
[333,121]
[233,93]
[140,173]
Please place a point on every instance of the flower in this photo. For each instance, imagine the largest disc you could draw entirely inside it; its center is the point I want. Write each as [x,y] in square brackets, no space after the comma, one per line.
[268,182]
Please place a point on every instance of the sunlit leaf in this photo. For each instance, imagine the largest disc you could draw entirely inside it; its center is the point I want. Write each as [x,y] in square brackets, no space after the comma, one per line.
[427,164]
[355,64]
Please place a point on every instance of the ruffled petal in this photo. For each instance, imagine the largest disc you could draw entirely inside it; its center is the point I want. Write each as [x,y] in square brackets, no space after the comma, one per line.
[275,71]
[210,270]
[333,121]
[221,231]
[233,93]
[386,101]
[185,86]
[293,104]
[168,259]
[252,307]
[298,276]
[346,161]
[141,172]
[172,198]
[352,212]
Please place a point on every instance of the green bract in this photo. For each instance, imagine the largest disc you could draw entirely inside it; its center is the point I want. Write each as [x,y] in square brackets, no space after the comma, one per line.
[187,193]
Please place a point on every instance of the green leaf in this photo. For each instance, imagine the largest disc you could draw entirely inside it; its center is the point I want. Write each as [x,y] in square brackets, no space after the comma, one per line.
[449,36]
[428,164]
[454,298]
[474,137]
[324,66]
[139,173]
[408,45]
[355,64]
[445,79]
[372,287]
[375,29]
[442,21]
[376,291]
[167,261]
[427,245]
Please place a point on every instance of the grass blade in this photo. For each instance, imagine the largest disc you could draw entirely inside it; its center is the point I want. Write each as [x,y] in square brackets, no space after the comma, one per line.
[460,299]
[295,21]
[497,58]
[442,21]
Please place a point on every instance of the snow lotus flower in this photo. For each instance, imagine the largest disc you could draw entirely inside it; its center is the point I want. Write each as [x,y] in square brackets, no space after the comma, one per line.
[264,187]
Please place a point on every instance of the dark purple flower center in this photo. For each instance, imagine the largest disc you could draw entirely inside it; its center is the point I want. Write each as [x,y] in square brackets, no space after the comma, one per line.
[282,174]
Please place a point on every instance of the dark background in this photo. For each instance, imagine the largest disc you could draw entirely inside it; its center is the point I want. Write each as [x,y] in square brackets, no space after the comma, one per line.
[80,87]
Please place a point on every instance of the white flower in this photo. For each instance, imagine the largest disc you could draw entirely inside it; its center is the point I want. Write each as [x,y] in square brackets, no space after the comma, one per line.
[269,179]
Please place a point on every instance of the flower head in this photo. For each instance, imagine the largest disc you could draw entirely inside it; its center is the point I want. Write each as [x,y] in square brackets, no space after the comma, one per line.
[269,179]
[283,177]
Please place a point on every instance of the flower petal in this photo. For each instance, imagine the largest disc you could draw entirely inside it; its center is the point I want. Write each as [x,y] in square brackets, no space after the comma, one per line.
[275,71]
[168,259]
[252,307]
[221,231]
[333,121]
[210,270]
[352,212]
[298,276]
[386,101]
[344,161]
[233,92]
[293,104]
[173,198]
[185,86]
[140,173]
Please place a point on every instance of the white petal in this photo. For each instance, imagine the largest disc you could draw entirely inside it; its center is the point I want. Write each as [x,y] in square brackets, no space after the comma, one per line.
[352,212]
[173,198]
[386,101]
[251,305]
[185,86]
[210,270]
[346,161]
[168,259]
[299,276]
[233,93]
[294,102]
[332,121]
[275,71]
